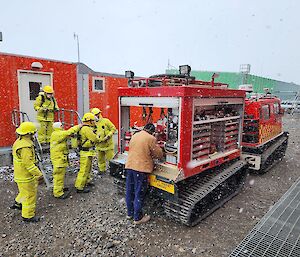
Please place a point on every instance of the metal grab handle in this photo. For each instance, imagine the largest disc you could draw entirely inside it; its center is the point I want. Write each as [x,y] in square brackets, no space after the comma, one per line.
[73,115]
[18,117]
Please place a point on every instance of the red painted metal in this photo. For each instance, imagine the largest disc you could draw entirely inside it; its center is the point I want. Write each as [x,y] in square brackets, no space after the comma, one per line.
[187,93]
[185,131]
[65,86]
[107,101]
[267,128]
[181,91]
[64,83]
[188,171]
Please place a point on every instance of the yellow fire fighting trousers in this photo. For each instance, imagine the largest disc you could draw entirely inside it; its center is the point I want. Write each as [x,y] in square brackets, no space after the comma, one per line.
[104,156]
[27,197]
[84,174]
[45,131]
[58,181]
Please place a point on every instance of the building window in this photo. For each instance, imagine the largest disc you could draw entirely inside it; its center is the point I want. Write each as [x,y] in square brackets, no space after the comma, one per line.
[99,84]
[34,90]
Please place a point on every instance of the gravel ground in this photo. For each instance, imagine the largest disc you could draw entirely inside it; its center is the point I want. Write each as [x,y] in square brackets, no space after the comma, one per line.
[94,224]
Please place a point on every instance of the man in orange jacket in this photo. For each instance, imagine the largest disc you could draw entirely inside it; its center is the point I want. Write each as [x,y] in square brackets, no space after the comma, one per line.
[143,148]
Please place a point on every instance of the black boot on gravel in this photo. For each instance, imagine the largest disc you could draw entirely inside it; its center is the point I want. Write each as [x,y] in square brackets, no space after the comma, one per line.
[90,184]
[64,196]
[16,206]
[33,219]
[85,190]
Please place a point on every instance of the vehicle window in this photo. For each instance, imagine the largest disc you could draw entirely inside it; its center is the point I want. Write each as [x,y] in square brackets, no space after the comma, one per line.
[265,112]
[276,108]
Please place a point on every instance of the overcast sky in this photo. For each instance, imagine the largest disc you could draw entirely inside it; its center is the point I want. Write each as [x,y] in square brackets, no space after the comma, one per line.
[142,35]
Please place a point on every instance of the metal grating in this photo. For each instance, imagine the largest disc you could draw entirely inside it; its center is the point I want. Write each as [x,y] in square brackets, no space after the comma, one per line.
[278,232]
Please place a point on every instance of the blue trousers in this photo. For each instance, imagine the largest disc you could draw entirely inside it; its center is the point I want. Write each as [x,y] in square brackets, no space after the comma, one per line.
[136,187]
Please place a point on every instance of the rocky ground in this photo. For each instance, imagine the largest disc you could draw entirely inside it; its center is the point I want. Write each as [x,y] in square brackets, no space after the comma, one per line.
[94,224]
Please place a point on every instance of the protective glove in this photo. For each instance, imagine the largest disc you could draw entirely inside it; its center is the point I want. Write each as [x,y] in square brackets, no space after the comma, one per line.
[40,180]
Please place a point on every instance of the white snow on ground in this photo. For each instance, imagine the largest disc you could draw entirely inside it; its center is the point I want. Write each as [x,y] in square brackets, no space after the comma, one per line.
[6,173]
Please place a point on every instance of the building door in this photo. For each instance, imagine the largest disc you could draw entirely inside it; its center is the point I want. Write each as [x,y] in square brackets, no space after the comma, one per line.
[30,84]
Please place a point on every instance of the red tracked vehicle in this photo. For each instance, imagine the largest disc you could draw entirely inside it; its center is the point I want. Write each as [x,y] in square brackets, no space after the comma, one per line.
[264,142]
[199,126]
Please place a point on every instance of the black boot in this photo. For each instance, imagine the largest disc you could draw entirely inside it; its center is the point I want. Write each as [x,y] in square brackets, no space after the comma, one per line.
[33,219]
[64,196]
[90,184]
[84,190]
[16,206]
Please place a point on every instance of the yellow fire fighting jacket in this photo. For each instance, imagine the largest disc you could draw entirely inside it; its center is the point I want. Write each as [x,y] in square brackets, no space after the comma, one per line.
[88,139]
[25,169]
[105,129]
[58,146]
[45,107]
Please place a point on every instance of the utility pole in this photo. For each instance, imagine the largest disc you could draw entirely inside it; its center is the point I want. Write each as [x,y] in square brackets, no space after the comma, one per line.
[76,37]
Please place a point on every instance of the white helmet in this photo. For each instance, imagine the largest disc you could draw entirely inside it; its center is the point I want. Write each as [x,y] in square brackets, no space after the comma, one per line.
[57,125]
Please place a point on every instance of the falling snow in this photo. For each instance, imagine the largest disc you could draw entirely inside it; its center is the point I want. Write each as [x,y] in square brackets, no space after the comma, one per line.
[96,223]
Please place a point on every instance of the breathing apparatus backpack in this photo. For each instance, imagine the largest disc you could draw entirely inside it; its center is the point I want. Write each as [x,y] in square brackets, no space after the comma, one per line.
[43,99]
[76,141]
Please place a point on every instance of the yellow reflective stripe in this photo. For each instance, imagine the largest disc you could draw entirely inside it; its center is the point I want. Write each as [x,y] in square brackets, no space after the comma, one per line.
[28,206]
[32,167]
[17,160]
[24,180]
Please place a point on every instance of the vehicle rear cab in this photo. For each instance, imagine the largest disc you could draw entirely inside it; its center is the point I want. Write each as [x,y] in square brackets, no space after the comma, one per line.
[263,135]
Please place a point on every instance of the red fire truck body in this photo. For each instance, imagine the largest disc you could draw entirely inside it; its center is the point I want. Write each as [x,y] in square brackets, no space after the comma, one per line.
[201,138]
[264,141]
[185,98]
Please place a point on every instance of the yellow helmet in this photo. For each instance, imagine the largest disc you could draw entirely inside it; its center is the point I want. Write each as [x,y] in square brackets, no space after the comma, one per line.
[48,90]
[26,128]
[88,117]
[95,111]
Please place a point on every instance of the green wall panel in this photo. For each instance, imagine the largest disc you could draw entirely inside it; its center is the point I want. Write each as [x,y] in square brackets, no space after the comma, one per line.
[282,89]
[233,79]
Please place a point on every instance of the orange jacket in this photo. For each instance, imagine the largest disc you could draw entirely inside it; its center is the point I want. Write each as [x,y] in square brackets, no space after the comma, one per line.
[143,148]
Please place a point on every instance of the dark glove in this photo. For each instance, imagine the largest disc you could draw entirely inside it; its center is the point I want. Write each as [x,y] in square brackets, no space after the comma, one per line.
[41,180]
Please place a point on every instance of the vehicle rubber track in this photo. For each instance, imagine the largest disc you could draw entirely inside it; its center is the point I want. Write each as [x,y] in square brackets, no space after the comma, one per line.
[200,197]
[276,155]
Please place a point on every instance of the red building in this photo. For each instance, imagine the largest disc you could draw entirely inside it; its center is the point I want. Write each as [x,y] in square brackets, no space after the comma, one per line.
[76,86]
[102,91]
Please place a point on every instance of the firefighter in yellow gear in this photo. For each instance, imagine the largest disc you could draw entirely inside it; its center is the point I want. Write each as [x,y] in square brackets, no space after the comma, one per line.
[105,147]
[45,105]
[87,139]
[59,154]
[26,173]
